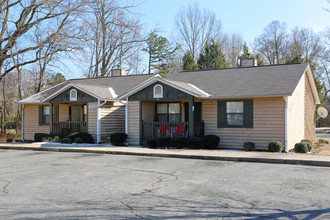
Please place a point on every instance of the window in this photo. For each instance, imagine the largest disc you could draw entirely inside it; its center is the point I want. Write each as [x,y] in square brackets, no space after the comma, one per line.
[73,95]
[44,114]
[168,112]
[235,113]
[158,91]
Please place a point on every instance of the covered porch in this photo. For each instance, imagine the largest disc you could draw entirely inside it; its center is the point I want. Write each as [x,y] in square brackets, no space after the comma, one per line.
[68,118]
[170,119]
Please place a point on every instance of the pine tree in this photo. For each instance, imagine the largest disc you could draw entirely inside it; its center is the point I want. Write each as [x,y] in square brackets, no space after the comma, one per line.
[159,50]
[246,53]
[189,62]
[212,57]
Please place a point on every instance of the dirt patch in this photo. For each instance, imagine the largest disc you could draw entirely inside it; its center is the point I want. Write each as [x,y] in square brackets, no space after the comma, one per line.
[321,147]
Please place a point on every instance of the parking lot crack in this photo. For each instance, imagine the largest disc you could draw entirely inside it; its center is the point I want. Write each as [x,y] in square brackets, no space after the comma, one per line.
[4,189]
[131,209]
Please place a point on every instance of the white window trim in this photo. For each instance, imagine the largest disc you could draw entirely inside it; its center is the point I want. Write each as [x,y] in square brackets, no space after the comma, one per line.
[71,97]
[161,91]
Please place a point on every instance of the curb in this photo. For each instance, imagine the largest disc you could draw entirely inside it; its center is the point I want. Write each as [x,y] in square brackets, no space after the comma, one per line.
[180,156]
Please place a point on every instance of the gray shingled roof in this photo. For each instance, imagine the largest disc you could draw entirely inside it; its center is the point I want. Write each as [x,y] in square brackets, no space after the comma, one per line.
[261,81]
[99,87]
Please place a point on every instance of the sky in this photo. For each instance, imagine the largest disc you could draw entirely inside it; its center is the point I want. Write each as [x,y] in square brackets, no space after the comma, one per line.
[245,17]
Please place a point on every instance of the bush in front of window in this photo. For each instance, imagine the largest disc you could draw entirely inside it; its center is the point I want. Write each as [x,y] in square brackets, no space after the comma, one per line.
[78,141]
[275,146]
[178,142]
[118,139]
[38,137]
[163,142]
[66,141]
[152,143]
[249,146]
[195,143]
[301,147]
[87,138]
[211,141]
[9,140]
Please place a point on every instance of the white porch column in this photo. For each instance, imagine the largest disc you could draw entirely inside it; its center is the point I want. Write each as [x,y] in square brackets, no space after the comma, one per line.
[286,147]
[23,122]
[98,133]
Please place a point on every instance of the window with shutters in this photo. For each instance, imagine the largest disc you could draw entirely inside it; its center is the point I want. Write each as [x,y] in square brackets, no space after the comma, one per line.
[235,113]
[73,95]
[44,114]
[158,91]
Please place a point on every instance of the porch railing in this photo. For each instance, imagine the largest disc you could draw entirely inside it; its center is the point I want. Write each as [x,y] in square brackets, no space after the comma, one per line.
[152,129]
[60,127]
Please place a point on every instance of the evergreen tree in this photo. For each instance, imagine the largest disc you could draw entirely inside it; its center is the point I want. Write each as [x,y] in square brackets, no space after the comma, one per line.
[159,50]
[212,57]
[189,62]
[296,59]
[260,62]
[246,53]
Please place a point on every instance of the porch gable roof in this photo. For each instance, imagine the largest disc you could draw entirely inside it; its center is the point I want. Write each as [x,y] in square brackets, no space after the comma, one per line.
[181,86]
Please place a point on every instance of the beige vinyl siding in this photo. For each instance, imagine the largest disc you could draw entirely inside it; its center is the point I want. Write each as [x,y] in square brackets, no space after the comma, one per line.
[296,114]
[31,122]
[310,107]
[92,119]
[268,124]
[63,112]
[112,119]
[134,123]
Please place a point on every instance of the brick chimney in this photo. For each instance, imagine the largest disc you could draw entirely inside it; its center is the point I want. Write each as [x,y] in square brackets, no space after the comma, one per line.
[247,62]
[119,72]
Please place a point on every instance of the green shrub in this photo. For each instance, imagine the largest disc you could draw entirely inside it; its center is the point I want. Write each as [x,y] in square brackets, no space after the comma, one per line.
[118,139]
[57,139]
[178,142]
[195,143]
[87,138]
[78,141]
[275,146]
[306,141]
[301,147]
[47,139]
[66,141]
[152,143]
[211,141]
[249,146]
[38,137]
[163,142]
[9,140]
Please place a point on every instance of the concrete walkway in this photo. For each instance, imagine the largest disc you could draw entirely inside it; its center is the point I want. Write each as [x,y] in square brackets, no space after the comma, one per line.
[223,155]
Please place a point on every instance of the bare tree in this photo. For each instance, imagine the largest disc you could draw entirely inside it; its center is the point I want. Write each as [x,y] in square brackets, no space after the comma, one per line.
[113,36]
[196,27]
[20,18]
[272,44]
[233,46]
[305,42]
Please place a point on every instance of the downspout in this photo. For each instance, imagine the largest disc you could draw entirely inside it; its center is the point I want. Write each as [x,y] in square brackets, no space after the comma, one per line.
[126,114]
[286,147]
[98,135]
[23,122]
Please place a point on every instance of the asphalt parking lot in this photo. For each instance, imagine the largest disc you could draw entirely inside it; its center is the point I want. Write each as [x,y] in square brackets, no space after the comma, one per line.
[51,185]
